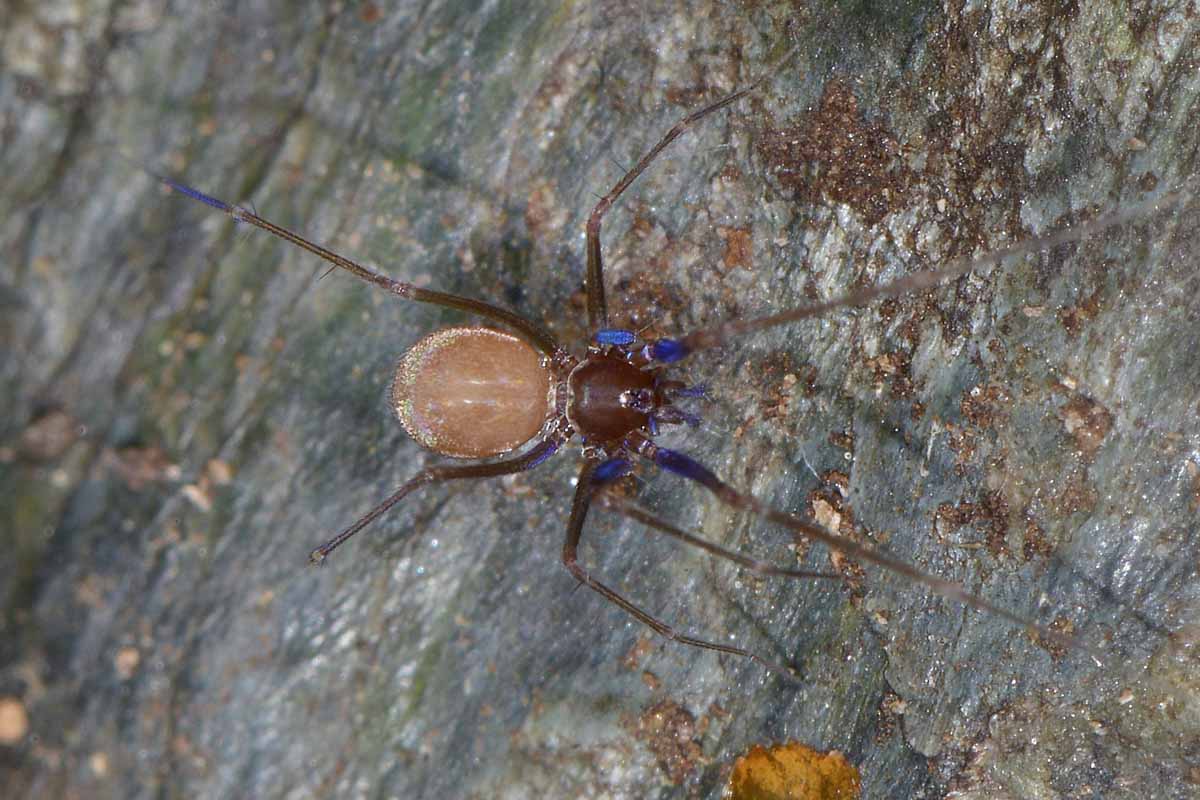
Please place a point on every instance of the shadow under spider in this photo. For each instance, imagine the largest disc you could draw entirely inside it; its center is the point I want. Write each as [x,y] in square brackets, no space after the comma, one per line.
[476,393]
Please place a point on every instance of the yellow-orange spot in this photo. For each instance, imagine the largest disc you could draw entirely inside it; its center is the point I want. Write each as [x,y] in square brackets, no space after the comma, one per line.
[471,392]
[793,772]
[14,721]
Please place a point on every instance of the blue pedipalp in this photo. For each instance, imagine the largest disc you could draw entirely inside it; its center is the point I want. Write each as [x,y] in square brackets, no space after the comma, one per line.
[614,336]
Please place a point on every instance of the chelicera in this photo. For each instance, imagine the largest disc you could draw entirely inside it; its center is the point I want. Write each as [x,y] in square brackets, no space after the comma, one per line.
[514,397]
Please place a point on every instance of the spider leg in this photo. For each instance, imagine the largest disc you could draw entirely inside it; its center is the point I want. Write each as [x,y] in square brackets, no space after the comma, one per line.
[689,468]
[635,512]
[439,474]
[596,304]
[579,509]
[530,331]
[671,350]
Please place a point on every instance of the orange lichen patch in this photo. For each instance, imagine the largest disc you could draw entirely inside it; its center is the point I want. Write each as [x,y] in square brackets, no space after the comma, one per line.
[471,392]
[793,772]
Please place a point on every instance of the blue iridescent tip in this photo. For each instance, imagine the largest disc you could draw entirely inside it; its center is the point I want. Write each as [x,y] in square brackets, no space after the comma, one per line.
[614,336]
[197,195]
[609,471]
[668,350]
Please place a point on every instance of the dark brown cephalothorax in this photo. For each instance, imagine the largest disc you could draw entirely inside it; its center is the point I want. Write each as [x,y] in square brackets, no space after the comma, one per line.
[473,392]
[608,398]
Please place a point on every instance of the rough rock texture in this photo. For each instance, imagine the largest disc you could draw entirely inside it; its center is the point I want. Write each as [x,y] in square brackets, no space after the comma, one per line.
[188,410]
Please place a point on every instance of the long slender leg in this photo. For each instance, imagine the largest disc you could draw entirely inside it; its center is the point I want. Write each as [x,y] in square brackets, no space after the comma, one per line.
[634,512]
[439,474]
[579,510]
[670,350]
[596,303]
[531,331]
[693,470]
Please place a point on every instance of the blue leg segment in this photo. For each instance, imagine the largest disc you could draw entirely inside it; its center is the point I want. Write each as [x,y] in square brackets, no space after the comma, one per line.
[668,350]
[610,470]
[685,466]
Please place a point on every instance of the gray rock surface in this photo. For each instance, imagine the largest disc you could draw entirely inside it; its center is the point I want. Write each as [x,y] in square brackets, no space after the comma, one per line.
[189,410]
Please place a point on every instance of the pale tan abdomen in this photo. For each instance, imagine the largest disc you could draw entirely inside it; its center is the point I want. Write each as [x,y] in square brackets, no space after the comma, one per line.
[471,392]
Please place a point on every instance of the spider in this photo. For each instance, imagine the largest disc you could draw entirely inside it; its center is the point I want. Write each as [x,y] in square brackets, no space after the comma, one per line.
[511,399]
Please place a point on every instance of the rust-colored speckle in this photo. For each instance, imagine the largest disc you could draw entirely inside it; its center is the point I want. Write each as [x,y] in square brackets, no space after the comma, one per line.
[834,152]
[370,13]
[739,248]
[1088,422]
[839,479]
[48,436]
[781,379]
[1075,317]
[990,514]
[1057,649]
[669,732]
[843,440]
[219,471]
[793,771]
[964,443]
[126,661]
[1193,470]
[1035,544]
[829,508]
[893,369]
[633,657]
[1076,493]
[138,467]
[14,721]
[985,406]
[545,214]
[891,710]
[198,495]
